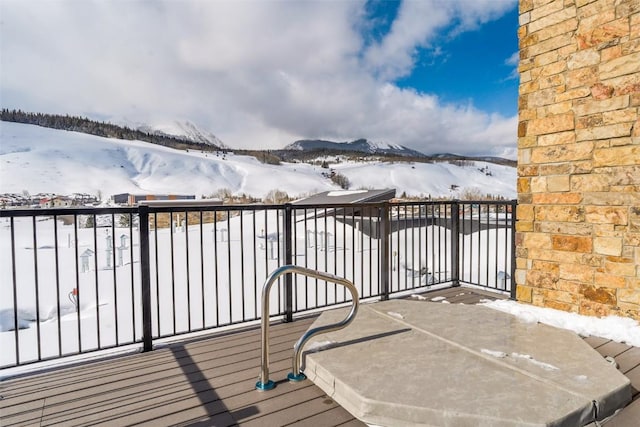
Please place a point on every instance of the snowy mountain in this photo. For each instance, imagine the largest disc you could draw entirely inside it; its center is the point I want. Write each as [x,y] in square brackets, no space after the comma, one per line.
[177,128]
[42,160]
[359,145]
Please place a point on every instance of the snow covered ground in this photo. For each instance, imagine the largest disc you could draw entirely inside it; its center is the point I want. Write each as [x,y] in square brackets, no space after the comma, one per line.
[41,160]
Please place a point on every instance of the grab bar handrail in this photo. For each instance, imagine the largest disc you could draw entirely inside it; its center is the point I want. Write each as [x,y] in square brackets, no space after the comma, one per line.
[265,383]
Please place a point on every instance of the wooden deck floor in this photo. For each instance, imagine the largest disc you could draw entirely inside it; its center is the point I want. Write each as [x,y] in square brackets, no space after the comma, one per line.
[210,381]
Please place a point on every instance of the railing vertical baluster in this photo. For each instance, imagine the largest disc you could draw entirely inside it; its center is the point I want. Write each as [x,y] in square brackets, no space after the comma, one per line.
[188,272]
[385,234]
[288,285]
[512,281]
[79,296]
[15,289]
[145,277]
[37,286]
[455,240]
[131,264]
[202,299]
[57,275]
[115,277]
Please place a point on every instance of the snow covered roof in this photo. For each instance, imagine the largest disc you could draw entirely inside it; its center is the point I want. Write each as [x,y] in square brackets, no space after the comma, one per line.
[347,196]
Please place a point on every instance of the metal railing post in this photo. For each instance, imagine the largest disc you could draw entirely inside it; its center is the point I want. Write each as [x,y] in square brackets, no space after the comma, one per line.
[145,277]
[288,255]
[455,243]
[385,232]
[514,208]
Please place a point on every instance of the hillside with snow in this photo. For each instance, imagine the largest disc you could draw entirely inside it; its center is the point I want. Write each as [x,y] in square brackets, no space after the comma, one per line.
[42,160]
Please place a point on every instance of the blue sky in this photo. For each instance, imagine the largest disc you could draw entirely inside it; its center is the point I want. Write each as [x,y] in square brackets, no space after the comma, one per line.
[433,75]
[473,67]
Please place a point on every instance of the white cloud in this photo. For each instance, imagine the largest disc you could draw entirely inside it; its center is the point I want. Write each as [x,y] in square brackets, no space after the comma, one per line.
[256,74]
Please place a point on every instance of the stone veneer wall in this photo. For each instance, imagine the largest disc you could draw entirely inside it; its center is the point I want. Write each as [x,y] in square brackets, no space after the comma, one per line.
[578,229]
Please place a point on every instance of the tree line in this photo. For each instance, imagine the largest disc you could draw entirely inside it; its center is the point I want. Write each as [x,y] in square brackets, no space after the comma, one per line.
[103,129]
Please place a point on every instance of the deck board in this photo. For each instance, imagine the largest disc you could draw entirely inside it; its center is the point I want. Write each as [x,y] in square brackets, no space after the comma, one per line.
[210,381]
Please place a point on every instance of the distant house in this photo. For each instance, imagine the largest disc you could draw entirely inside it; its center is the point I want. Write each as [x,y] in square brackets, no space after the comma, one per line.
[56,202]
[134,199]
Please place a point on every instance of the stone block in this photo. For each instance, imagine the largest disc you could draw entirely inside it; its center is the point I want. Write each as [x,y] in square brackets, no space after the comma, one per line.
[621,116]
[538,184]
[592,308]
[556,108]
[562,153]
[527,141]
[626,8]
[561,242]
[541,279]
[524,185]
[608,246]
[568,213]
[610,53]
[573,228]
[620,266]
[560,296]
[556,198]
[600,295]
[621,175]
[556,168]
[611,199]
[569,286]
[576,273]
[525,213]
[578,93]
[582,167]
[550,44]
[609,281]
[600,91]
[587,107]
[536,240]
[528,87]
[634,220]
[559,305]
[623,65]
[630,296]
[596,13]
[583,58]
[590,182]
[604,132]
[548,266]
[527,170]
[524,18]
[524,226]
[545,59]
[559,183]
[525,6]
[553,68]
[592,260]
[617,215]
[586,76]
[554,18]
[541,97]
[586,122]
[617,156]
[523,293]
[554,82]
[547,9]
[548,125]
[524,156]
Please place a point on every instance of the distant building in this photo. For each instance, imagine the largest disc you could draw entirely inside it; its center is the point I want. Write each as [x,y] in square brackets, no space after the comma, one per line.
[134,199]
[56,202]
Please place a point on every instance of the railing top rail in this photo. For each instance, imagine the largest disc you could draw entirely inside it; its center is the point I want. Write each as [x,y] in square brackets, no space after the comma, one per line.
[72,210]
